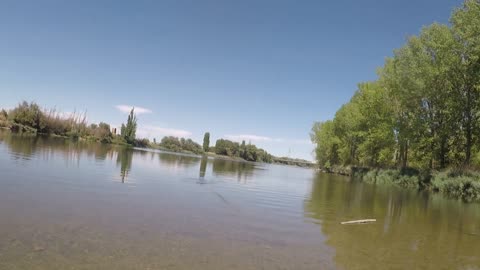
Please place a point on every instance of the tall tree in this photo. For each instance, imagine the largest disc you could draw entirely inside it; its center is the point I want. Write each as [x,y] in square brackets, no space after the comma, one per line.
[206,141]
[129,130]
[466,29]
[424,109]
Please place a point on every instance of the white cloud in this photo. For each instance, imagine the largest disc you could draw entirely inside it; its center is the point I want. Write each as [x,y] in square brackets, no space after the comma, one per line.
[257,138]
[248,137]
[128,108]
[151,132]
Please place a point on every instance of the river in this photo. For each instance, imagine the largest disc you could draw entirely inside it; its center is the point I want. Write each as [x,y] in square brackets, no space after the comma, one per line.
[78,205]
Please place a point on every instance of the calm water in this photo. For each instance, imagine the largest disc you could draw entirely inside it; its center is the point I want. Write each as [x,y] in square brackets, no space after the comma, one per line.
[67,205]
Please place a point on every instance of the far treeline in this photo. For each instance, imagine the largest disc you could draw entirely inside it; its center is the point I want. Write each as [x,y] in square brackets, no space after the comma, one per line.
[31,118]
[420,116]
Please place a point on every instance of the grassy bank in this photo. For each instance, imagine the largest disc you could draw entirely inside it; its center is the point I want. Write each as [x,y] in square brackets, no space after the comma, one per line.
[454,183]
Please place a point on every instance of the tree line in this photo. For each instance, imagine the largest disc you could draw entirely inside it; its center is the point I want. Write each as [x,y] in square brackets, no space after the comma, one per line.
[248,152]
[31,118]
[423,110]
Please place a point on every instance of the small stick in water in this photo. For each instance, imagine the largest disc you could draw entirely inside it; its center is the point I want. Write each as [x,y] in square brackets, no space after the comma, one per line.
[360,221]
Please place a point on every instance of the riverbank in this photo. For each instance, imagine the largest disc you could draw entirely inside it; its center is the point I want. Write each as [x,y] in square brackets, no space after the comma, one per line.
[452,183]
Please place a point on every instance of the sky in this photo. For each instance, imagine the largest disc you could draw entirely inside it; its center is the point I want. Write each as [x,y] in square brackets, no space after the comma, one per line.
[262,71]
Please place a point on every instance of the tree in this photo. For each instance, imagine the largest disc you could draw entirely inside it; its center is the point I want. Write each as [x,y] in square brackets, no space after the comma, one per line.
[323,135]
[180,145]
[206,141]
[466,30]
[27,114]
[103,133]
[4,119]
[128,131]
[424,109]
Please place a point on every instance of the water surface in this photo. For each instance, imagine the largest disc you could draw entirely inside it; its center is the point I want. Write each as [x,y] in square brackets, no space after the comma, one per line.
[77,205]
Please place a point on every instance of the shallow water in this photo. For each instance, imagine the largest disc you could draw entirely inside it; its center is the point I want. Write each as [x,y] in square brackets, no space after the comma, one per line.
[75,205]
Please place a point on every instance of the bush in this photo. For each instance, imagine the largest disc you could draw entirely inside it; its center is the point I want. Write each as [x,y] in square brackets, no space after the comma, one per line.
[22,128]
[50,122]
[458,184]
[4,119]
[102,132]
[26,114]
[141,143]
[408,178]
[180,144]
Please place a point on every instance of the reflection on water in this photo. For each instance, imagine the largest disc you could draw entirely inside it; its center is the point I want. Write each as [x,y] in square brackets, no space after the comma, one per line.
[59,209]
[413,230]
[203,168]
[241,170]
[124,159]
[23,147]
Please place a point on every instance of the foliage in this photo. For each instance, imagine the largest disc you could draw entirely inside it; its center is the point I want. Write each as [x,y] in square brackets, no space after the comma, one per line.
[227,148]
[180,145]
[465,186]
[4,119]
[206,141]
[423,111]
[102,132]
[27,114]
[129,130]
[403,178]
[248,152]
[142,143]
[30,117]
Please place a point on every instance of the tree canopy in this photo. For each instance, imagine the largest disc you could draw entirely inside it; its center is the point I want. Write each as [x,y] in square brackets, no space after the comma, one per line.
[422,111]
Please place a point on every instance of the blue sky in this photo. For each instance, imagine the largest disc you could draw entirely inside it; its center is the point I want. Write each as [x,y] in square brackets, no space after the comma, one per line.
[262,70]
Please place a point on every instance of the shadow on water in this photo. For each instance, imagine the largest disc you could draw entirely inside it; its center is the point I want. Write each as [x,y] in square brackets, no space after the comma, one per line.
[413,230]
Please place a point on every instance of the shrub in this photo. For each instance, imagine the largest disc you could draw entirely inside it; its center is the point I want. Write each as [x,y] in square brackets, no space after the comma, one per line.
[27,114]
[404,178]
[458,184]
[180,144]
[102,132]
[4,119]
[141,142]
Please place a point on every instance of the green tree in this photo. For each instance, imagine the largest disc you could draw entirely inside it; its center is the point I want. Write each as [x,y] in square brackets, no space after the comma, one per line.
[129,130]
[466,30]
[424,109]
[27,114]
[323,135]
[206,141]
[103,133]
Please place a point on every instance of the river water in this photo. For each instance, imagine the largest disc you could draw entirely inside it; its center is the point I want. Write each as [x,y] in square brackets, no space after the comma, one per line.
[78,205]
